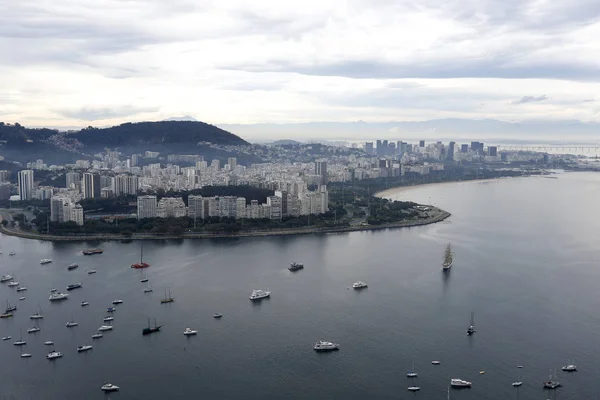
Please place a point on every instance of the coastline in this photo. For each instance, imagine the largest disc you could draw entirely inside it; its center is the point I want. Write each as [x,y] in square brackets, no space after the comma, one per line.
[438,215]
[401,189]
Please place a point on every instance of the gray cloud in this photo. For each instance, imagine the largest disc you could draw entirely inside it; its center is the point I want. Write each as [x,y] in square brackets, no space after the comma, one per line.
[530,99]
[103,113]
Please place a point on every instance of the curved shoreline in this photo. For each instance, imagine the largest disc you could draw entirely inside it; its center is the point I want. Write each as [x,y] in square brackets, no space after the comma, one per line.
[439,216]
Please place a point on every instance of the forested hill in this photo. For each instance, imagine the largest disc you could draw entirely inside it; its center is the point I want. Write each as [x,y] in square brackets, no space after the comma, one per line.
[184,137]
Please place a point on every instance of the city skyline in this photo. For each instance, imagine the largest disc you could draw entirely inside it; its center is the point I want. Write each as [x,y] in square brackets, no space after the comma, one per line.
[240,63]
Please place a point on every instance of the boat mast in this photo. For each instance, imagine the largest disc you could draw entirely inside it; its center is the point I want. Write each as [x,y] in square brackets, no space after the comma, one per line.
[472,318]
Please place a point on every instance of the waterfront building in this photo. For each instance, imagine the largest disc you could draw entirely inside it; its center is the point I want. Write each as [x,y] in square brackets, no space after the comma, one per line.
[146,207]
[90,186]
[25,182]
[171,207]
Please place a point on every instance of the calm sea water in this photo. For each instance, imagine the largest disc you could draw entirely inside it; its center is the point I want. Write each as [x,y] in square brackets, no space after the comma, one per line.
[527,262]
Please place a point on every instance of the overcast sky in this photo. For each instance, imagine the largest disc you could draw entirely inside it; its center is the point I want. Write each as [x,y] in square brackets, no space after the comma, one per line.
[103,62]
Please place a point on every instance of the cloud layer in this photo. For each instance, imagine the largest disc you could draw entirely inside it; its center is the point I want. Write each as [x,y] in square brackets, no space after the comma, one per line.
[69,63]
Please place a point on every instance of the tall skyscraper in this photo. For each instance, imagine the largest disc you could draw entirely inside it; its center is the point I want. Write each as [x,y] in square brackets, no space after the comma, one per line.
[125,184]
[73,180]
[321,170]
[25,181]
[232,161]
[421,143]
[379,149]
[492,151]
[369,148]
[464,148]
[4,175]
[90,186]
[146,207]
[450,155]
[134,160]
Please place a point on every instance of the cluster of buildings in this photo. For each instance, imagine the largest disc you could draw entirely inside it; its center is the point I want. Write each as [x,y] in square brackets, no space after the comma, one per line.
[433,151]
[280,205]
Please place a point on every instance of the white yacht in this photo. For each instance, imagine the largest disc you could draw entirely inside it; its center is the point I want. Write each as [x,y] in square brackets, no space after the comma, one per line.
[412,373]
[517,384]
[359,285]
[6,278]
[105,328]
[189,332]
[109,387]
[45,261]
[12,253]
[108,319]
[53,355]
[21,288]
[259,294]
[325,346]
[33,330]
[37,315]
[71,324]
[83,348]
[20,342]
[570,367]
[13,283]
[25,355]
[85,303]
[53,290]
[49,343]
[414,388]
[117,302]
[435,362]
[97,336]
[459,383]
[58,296]
[6,338]
[22,298]
[91,271]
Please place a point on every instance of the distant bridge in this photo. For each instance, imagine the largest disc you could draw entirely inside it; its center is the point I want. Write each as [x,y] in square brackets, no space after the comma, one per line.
[571,149]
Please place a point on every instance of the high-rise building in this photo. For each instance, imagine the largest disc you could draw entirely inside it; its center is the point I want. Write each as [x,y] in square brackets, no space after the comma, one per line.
[76,214]
[125,184]
[134,160]
[196,207]
[232,161]
[25,181]
[492,151]
[56,208]
[379,150]
[90,186]
[369,148]
[146,207]
[171,207]
[464,148]
[73,180]
[477,147]
[216,164]
[450,155]
[4,175]
[274,203]
[321,170]
[421,143]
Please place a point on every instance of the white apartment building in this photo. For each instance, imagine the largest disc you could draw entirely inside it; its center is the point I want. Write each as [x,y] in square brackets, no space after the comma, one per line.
[171,207]
[146,207]
[25,181]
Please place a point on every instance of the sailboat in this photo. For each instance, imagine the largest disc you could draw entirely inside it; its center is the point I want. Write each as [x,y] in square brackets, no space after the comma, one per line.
[552,382]
[412,373]
[148,289]
[141,264]
[167,299]
[150,329]
[471,328]
[447,263]
[37,315]
[10,308]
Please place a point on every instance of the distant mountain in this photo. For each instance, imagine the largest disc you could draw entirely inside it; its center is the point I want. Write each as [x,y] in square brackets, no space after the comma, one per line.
[184,118]
[565,131]
[283,142]
[174,137]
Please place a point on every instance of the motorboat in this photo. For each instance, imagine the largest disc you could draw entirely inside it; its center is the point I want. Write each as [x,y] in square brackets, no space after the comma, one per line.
[105,328]
[58,296]
[6,338]
[471,328]
[109,387]
[189,332]
[144,280]
[359,285]
[571,367]
[13,283]
[218,315]
[20,342]
[85,303]
[25,355]
[97,336]
[323,346]
[459,383]
[91,252]
[108,319]
[110,309]
[517,384]
[33,330]
[414,388]
[259,294]
[91,271]
[45,261]
[71,324]
[54,355]
[148,290]
[12,253]
[72,266]
[21,289]
[6,278]
[49,343]
[81,349]
[117,302]
[6,315]
[74,286]
[295,266]
[22,298]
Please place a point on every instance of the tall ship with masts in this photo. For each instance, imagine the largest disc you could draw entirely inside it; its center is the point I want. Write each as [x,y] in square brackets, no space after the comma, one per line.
[447,263]
[141,264]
